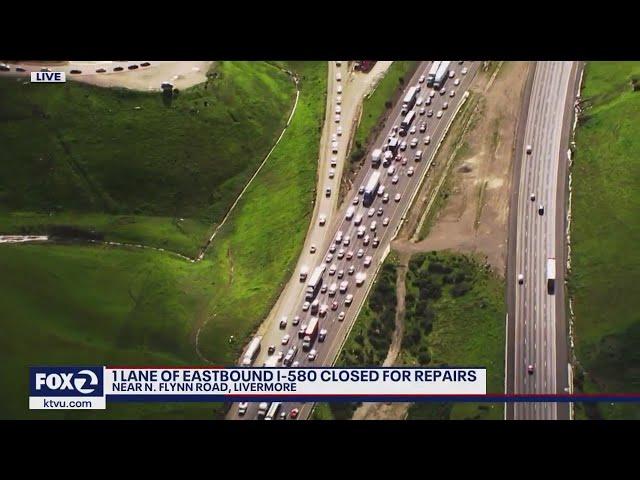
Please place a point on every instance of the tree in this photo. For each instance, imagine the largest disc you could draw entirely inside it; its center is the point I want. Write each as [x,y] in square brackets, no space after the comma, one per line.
[460,289]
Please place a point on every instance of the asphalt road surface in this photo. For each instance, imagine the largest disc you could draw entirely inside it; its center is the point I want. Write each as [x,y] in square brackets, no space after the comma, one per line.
[337,330]
[537,353]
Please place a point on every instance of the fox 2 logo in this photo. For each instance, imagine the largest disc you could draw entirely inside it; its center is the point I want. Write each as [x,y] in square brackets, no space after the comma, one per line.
[66,381]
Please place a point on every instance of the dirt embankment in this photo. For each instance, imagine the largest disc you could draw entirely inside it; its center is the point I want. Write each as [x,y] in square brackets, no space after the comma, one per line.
[473,216]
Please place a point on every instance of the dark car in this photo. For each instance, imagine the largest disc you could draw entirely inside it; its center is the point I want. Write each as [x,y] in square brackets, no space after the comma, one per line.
[20,69]
[541,210]
[75,72]
[118,69]
[101,70]
[530,369]
[145,64]
[132,67]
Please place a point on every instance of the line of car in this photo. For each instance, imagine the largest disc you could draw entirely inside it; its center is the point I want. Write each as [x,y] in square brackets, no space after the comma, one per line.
[6,68]
[348,247]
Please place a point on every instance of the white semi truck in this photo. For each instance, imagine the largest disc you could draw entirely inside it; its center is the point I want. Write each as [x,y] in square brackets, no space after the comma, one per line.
[551,275]
[252,352]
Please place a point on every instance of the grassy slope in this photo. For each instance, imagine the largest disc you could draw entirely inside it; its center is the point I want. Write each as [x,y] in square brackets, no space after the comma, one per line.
[465,330]
[77,149]
[256,250]
[92,317]
[93,305]
[606,234]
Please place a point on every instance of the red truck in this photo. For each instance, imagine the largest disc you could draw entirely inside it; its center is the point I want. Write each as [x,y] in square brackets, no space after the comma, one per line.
[310,334]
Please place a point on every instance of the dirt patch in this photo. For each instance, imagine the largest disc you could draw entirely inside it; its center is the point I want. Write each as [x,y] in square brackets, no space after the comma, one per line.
[474,211]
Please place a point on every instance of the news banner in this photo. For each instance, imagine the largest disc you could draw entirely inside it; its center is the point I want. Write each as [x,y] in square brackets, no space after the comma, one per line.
[91,387]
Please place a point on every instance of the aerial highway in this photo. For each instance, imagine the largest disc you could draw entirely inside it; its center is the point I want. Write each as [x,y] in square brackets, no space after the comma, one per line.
[537,346]
[338,322]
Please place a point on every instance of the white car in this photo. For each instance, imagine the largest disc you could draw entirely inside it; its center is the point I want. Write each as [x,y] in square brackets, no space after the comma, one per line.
[334,147]
[421,79]
[367,260]
[372,212]
[338,76]
[403,146]
[414,142]
[339,237]
[365,240]
[373,225]
[332,248]
[349,255]
[322,219]
[464,71]
[430,113]
[334,162]
[404,160]
[452,74]
[412,130]
[312,249]
[242,408]
[427,140]
[422,110]
[339,89]
[332,173]
[361,189]
[351,270]
[360,253]
[385,198]
[361,231]
[456,82]
[445,105]
[418,156]
[337,118]
[338,100]
[410,172]
[385,222]
[397,197]
[419,101]
[346,241]
[533,197]
[439,115]
[391,170]
[341,316]
[423,127]
[520,279]
[452,93]
[340,254]
[443,92]
[285,339]
[529,149]
[332,271]
[334,137]
[329,258]
[380,190]
[395,179]
[432,93]
[312,355]
[338,109]
[355,201]
[305,306]
[358,220]
[339,130]
[348,299]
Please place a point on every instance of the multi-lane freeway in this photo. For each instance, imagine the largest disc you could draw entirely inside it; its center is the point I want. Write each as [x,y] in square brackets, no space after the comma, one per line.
[537,353]
[405,186]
